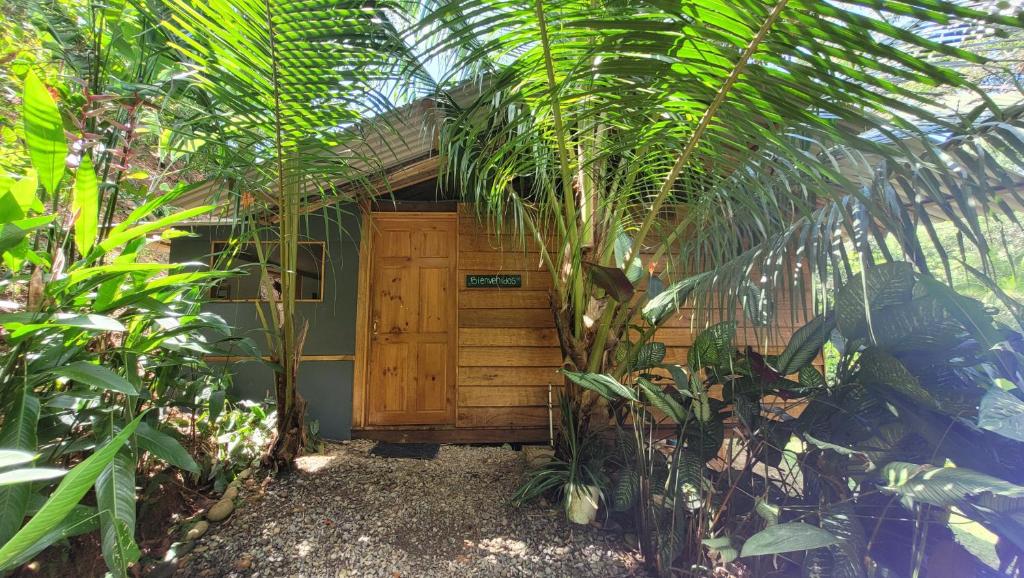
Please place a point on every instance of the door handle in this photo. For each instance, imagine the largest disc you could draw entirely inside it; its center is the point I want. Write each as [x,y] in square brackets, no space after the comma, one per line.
[374,330]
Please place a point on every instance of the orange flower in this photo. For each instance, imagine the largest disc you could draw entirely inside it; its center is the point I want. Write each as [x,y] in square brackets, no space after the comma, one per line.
[247,200]
[651,267]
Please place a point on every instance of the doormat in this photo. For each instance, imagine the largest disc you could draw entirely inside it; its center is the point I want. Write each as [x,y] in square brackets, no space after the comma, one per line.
[411,451]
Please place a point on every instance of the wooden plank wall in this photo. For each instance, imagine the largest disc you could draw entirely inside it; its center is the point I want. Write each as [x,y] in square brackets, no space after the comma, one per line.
[508,350]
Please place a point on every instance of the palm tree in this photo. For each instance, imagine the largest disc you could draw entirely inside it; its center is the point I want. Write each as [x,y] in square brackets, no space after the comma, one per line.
[733,149]
[291,84]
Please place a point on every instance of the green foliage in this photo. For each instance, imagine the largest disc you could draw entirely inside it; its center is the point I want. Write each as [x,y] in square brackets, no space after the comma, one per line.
[582,465]
[44,133]
[785,538]
[818,483]
[95,340]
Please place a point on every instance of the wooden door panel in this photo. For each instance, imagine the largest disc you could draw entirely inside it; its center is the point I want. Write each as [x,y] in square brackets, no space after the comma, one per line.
[432,376]
[396,304]
[434,243]
[411,378]
[433,300]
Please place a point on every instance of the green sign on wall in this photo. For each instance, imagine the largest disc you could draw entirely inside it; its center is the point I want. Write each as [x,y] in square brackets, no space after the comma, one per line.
[485,281]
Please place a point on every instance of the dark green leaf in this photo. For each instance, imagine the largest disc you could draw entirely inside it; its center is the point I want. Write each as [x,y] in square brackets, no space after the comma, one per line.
[115,496]
[649,355]
[165,447]
[1003,414]
[18,433]
[789,537]
[96,376]
[713,346]
[805,345]
[881,286]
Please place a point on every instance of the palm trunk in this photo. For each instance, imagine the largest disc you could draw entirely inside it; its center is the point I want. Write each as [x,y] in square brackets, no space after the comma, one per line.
[290,438]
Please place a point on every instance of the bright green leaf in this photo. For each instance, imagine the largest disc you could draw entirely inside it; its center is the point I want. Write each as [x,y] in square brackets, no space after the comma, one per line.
[23,475]
[85,204]
[64,499]
[165,447]
[44,133]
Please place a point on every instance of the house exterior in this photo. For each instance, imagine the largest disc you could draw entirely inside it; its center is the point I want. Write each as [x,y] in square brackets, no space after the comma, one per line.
[425,324]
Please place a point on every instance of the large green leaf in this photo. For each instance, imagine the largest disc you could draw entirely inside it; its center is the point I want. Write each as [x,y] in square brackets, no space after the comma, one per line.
[165,447]
[10,211]
[24,191]
[880,286]
[623,248]
[649,355]
[879,369]
[23,475]
[805,345]
[1002,413]
[18,433]
[605,385]
[120,237]
[96,376]
[10,458]
[81,520]
[85,203]
[663,401]
[44,133]
[64,499]
[789,537]
[713,346]
[669,300]
[115,497]
[948,487]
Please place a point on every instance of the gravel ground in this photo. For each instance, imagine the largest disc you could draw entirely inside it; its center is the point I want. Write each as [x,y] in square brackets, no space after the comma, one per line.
[346,513]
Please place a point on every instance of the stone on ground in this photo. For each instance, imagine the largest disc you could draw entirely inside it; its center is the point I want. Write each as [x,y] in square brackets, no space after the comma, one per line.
[347,513]
[220,511]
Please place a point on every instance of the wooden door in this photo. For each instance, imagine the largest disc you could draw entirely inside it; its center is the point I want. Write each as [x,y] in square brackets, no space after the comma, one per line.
[413,319]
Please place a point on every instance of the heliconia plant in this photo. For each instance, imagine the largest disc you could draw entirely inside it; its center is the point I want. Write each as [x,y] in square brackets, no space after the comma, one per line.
[99,351]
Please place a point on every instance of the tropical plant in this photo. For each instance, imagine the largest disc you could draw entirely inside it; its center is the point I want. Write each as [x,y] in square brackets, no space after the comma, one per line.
[573,478]
[292,85]
[99,346]
[862,472]
[739,141]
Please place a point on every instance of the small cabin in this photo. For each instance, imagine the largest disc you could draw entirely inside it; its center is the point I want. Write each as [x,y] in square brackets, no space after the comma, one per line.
[425,324]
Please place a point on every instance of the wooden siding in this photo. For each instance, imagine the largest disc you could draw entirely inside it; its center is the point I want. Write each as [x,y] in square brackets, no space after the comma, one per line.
[508,349]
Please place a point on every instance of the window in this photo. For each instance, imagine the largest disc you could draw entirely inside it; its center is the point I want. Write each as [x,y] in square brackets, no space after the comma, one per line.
[309,274]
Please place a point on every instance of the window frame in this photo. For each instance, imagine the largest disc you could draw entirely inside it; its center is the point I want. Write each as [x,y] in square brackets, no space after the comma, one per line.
[323,272]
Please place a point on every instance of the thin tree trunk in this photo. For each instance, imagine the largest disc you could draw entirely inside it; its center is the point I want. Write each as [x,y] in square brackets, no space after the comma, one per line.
[290,438]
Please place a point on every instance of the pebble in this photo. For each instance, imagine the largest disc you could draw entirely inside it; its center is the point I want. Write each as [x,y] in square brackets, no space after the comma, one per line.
[220,511]
[345,513]
[197,531]
[243,563]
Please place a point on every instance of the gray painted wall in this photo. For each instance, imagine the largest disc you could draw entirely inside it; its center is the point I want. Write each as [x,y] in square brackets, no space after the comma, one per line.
[326,385]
